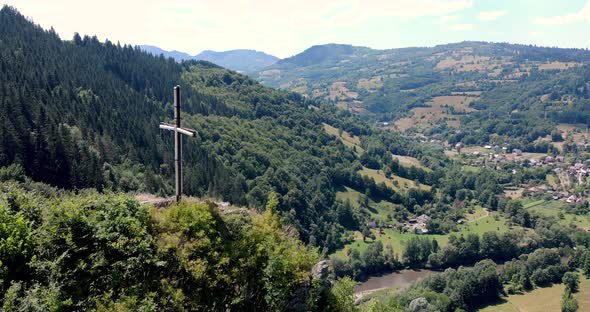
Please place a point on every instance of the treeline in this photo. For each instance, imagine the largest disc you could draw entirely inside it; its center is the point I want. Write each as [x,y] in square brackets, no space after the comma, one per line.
[515,111]
[469,288]
[536,232]
[499,247]
[374,260]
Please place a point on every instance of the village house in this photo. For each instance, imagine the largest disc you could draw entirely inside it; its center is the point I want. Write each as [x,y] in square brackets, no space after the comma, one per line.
[419,225]
[423,219]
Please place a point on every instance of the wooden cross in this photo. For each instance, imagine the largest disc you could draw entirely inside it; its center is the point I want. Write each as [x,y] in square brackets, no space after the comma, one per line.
[178,131]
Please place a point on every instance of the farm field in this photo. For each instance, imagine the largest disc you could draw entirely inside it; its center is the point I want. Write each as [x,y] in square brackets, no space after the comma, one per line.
[440,108]
[347,139]
[378,210]
[370,84]
[558,65]
[515,193]
[577,132]
[552,180]
[408,161]
[552,208]
[395,182]
[404,124]
[543,299]
[481,223]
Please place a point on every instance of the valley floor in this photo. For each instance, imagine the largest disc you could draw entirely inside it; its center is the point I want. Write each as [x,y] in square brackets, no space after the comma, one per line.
[478,223]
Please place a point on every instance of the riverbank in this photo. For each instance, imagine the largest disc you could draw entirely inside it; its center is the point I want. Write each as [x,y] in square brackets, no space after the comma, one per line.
[399,279]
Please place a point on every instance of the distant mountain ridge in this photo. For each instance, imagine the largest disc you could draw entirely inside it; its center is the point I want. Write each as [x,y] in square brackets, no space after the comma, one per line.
[241,60]
[323,53]
[177,55]
[451,91]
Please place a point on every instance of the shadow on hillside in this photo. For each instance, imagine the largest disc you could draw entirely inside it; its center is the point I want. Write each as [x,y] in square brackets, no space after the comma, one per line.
[500,301]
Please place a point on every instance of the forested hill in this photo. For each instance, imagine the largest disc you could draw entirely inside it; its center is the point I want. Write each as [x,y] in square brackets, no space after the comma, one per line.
[516,92]
[85,114]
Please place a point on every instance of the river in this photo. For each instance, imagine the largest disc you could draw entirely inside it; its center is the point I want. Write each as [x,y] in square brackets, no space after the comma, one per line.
[398,279]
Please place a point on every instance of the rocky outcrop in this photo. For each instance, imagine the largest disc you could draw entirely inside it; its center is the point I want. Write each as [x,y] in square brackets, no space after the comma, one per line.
[321,270]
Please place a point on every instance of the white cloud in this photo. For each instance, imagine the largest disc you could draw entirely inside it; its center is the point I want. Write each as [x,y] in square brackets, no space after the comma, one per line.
[583,14]
[195,25]
[461,27]
[359,10]
[414,8]
[491,15]
[445,19]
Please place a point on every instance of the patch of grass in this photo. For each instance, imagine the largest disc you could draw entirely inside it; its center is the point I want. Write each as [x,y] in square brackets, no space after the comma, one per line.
[543,299]
[370,84]
[451,154]
[473,169]
[558,65]
[398,240]
[552,208]
[402,183]
[409,161]
[480,149]
[529,202]
[381,295]
[346,138]
[404,124]
[583,294]
[514,193]
[478,213]
[552,181]
[533,155]
[391,237]
[379,210]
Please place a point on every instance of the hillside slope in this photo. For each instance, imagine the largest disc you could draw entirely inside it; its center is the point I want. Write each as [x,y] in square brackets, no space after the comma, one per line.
[451,90]
[84,114]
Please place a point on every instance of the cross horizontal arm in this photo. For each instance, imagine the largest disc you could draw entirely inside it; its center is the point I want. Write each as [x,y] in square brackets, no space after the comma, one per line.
[185,131]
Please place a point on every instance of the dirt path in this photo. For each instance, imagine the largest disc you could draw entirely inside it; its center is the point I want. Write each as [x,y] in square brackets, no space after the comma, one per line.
[487,214]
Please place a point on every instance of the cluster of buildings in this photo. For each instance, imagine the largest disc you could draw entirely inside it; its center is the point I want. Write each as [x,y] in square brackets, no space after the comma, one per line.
[577,170]
[498,156]
[544,189]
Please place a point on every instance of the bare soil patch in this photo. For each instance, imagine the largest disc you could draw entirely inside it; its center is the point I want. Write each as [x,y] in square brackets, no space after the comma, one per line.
[558,65]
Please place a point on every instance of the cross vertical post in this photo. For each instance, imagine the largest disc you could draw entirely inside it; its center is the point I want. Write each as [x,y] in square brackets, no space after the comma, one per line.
[177,144]
[178,132]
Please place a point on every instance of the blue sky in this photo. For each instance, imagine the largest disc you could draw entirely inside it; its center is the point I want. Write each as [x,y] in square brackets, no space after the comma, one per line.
[284,28]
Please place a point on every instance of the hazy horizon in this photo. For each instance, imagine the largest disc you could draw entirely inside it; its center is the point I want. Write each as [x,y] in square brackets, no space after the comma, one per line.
[288,28]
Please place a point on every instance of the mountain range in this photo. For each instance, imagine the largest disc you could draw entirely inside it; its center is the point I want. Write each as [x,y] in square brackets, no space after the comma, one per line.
[371,161]
[240,60]
[450,91]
